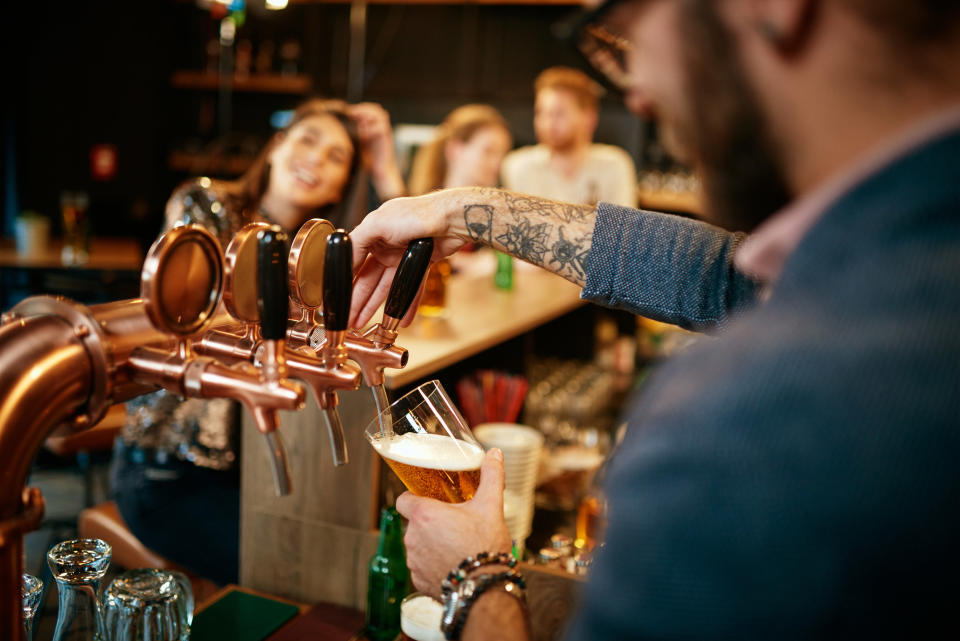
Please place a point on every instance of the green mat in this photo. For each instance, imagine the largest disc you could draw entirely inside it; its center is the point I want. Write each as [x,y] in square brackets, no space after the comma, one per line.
[239,616]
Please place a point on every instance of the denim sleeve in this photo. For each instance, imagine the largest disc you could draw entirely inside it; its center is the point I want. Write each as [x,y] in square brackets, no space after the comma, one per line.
[665,267]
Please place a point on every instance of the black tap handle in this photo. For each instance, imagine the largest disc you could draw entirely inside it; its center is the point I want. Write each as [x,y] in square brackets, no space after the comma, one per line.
[337,281]
[410,272]
[272,292]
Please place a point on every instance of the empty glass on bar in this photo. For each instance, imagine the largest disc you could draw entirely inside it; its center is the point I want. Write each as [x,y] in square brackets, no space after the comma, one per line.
[148,605]
[426,442]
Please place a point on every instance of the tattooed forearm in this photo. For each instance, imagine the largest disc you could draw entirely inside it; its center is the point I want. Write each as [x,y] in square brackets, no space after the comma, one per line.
[479,221]
[525,240]
[554,235]
[569,254]
[565,212]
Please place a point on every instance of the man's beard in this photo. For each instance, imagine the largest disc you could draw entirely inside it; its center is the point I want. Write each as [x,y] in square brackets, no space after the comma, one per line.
[560,144]
[726,135]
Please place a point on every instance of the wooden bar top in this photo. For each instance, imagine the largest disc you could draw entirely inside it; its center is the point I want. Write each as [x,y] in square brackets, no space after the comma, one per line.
[105,253]
[479,316]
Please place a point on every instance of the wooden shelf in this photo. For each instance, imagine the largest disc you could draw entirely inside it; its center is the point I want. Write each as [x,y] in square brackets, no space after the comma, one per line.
[104,253]
[481,2]
[662,200]
[204,163]
[262,83]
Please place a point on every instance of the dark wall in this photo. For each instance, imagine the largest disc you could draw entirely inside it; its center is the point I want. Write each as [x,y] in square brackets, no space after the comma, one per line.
[98,72]
[85,74]
[422,61]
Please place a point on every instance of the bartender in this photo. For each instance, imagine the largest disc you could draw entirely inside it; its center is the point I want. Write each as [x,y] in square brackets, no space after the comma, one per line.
[796,476]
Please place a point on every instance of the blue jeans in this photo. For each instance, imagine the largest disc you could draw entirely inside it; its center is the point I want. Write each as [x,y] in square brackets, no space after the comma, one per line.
[188,514]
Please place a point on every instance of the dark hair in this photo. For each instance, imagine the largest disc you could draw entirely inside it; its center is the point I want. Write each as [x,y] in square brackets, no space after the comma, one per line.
[586,92]
[253,184]
[914,21]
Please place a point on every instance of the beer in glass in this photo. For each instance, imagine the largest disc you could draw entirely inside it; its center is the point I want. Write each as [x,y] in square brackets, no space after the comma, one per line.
[426,442]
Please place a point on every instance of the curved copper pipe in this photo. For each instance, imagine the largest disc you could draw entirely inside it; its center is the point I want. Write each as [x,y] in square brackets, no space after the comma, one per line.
[45,379]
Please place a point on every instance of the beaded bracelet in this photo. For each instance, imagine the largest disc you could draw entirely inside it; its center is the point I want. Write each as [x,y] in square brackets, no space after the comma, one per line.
[458,601]
[469,564]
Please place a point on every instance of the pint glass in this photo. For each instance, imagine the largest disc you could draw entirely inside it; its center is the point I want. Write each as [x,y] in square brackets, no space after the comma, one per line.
[426,442]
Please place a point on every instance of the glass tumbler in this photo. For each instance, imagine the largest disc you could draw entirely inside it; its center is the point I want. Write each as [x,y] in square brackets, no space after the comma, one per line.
[78,565]
[148,605]
[31,589]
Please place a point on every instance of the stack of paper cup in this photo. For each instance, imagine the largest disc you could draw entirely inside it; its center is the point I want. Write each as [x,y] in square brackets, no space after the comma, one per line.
[521,446]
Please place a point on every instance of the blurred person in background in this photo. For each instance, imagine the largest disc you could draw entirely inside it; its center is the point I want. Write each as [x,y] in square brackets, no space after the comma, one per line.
[467,151]
[566,164]
[174,473]
[796,477]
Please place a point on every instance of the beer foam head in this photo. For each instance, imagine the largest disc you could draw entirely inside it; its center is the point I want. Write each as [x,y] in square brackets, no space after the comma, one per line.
[432,451]
[420,619]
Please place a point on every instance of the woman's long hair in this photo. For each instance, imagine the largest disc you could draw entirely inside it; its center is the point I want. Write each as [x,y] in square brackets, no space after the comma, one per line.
[430,164]
[249,189]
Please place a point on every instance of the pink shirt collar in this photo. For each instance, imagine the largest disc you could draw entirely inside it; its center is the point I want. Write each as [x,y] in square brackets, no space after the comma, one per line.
[763,254]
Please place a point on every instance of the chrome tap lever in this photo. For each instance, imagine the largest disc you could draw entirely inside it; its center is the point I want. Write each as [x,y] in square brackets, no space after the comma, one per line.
[337,290]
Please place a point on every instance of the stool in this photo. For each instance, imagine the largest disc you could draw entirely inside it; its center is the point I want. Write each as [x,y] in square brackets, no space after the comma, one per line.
[104,521]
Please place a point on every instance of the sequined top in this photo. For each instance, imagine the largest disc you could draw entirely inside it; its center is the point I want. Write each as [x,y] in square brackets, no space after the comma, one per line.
[203,432]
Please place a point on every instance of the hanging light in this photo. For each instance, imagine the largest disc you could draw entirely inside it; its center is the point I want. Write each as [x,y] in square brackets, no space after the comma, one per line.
[276,5]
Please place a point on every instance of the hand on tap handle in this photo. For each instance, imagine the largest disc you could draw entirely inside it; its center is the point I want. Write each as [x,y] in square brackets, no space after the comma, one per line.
[403,290]
[337,288]
[406,282]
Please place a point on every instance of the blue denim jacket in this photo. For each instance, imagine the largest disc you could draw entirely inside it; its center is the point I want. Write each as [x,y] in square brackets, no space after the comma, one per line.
[798,477]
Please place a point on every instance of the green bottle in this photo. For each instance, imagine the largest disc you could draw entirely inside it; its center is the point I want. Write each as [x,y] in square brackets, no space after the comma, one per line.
[503,278]
[387,580]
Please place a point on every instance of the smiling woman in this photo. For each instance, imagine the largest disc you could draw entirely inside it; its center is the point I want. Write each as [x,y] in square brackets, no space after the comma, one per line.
[307,169]
[174,472]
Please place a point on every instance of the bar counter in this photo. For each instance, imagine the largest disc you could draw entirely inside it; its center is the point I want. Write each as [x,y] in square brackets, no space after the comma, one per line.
[480,316]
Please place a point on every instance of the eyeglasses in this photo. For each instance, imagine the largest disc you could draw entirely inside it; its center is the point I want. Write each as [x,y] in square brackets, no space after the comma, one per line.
[596,33]
[607,52]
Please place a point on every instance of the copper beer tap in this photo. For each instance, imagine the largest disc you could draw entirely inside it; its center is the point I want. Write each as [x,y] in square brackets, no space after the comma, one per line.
[323,374]
[337,291]
[264,390]
[380,338]
[62,365]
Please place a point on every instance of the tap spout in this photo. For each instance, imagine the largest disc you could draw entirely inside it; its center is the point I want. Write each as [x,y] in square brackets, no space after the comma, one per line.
[278,463]
[372,358]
